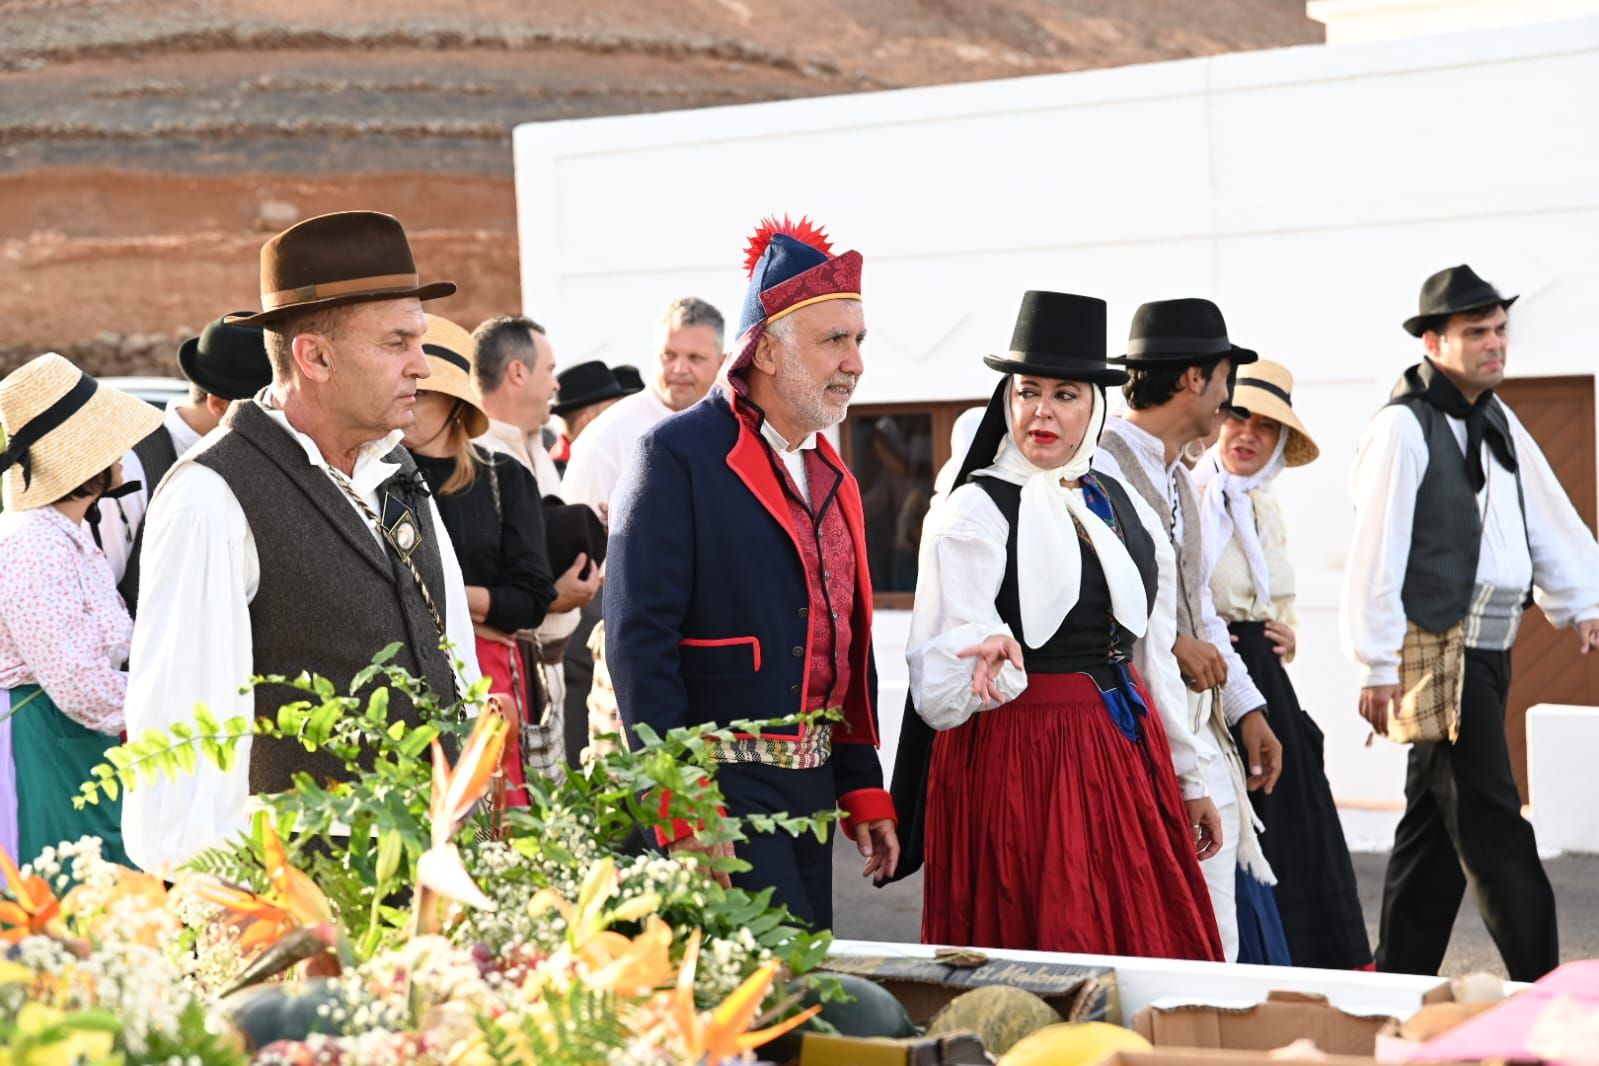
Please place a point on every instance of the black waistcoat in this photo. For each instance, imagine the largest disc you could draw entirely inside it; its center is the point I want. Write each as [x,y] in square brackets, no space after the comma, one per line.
[1089,636]
[330,595]
[1446,532]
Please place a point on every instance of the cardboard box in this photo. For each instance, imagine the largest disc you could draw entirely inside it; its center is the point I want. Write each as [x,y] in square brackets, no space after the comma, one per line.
[1195,1057]
[1278,1022]
[1078,993]
[953,1049]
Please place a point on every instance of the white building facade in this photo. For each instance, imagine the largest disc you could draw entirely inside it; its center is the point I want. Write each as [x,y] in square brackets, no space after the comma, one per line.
[1308,191]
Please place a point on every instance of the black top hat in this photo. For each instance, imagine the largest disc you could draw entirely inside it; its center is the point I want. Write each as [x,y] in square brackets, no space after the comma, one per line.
[1449,292]
[571,529]
[628,377]
[584,384]
[1059,335]
[227,360]
[1181,333]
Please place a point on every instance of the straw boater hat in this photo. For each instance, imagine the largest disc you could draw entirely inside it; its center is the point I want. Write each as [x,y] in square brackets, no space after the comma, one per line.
[1267,388]
[343,258]
[62,428]
[449,350]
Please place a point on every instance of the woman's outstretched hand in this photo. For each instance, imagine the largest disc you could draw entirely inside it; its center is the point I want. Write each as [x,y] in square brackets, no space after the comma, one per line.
[991,655]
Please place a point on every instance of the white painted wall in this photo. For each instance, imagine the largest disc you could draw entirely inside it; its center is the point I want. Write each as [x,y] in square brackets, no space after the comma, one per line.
[1350,21]
[1307,190]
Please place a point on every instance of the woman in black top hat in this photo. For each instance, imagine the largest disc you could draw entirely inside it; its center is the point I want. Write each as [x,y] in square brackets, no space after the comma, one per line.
[1053,819]
[490,506]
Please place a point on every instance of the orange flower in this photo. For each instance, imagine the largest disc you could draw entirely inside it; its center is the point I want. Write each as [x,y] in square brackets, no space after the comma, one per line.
[294,899]
[440,873]
[130,884]
[725,1032]
[35,906]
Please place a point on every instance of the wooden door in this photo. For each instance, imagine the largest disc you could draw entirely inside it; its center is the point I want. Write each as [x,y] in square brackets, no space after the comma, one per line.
[1559,413]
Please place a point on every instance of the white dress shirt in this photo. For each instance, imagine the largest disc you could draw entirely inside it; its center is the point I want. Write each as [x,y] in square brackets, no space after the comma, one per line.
[1239,696]
[1551,549]
[527,449]
[192,642]
[791,456]
[600,453]
[120,518]
[961,565]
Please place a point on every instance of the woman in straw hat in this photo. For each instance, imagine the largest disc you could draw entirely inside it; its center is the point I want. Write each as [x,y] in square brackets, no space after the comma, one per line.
[64,632]
[1036,579]
[1252,582]
[491,509]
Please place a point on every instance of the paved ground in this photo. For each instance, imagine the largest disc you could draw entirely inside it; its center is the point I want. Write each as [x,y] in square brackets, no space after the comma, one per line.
[894,913]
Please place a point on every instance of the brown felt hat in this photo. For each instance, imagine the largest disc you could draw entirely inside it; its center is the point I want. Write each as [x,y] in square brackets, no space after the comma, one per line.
[343,258]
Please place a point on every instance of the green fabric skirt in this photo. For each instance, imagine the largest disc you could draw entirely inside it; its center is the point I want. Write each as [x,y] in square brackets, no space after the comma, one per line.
[53,756]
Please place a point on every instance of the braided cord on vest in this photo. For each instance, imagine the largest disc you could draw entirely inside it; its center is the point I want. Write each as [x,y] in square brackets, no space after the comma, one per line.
[421,586]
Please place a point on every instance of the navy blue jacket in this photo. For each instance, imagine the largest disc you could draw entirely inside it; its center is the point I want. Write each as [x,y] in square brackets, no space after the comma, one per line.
[707,593]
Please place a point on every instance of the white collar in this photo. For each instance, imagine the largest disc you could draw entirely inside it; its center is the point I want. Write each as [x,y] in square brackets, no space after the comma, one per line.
[183,435]
[781,446]
[1142,440]
[371,467]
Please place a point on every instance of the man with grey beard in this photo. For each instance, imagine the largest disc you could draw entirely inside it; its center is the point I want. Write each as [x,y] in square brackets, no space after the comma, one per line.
[737,585]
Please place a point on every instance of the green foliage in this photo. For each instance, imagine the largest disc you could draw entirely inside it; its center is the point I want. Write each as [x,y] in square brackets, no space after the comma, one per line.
[577,1026]
[360,838]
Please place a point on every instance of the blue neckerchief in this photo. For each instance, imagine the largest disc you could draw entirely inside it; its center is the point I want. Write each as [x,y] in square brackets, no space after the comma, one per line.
[1124,703]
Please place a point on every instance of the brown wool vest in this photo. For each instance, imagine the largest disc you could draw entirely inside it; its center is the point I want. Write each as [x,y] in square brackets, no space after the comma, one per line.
[330,596]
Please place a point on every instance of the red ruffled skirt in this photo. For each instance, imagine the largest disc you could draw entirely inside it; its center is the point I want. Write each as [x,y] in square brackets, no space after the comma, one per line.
[1049,830]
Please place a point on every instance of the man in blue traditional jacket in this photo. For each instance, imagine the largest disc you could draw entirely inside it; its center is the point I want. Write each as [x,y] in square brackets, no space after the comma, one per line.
[737,585]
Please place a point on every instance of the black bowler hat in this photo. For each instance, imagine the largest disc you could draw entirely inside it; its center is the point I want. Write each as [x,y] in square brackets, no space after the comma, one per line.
[585,384]
[1059,335]
[1181,333]
[1450,292]
[227,359]
[627,376]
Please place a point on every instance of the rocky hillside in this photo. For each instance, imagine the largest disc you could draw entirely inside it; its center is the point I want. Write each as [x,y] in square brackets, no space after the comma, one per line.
[147,145]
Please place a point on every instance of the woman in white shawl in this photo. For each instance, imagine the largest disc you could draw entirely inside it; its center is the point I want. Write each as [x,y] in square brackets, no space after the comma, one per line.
[1252,583]
[1053,819]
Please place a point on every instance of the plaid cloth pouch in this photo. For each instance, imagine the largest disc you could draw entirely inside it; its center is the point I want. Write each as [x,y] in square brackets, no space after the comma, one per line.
[1432,676]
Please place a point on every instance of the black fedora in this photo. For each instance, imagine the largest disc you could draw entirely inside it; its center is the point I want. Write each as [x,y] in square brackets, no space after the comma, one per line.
[570,530]
[627,376]
[1059,335]
[1181,333]
[227,360]
[584,384]
[1449,292]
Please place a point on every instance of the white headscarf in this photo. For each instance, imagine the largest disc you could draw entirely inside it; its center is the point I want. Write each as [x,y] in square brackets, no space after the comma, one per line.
[1049,563]
[960,442]
[1226,513]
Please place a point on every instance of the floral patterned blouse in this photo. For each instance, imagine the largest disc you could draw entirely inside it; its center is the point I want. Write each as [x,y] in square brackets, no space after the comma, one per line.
[63,626]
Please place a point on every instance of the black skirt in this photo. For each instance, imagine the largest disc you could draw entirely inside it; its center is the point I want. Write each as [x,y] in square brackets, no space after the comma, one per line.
[1304,840]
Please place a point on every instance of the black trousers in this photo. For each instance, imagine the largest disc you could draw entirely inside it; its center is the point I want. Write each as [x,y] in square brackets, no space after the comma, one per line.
[799,869]
[1463,824]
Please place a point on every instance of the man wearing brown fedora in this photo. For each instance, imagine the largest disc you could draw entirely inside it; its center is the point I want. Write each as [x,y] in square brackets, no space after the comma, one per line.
[1459,522]
[300,536]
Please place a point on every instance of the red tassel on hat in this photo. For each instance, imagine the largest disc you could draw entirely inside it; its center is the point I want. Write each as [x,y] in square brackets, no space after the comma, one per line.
[803,230]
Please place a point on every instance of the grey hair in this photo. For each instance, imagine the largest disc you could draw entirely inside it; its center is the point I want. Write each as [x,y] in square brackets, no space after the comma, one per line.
[498,341]
[688,311]
[279,336]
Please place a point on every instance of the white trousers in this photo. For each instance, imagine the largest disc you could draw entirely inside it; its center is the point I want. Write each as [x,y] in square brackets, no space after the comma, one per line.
[1221,877]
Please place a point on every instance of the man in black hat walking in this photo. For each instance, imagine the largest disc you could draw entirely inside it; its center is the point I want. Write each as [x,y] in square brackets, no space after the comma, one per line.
[1180,364]
[226,362]
[299,536]
[1452,586]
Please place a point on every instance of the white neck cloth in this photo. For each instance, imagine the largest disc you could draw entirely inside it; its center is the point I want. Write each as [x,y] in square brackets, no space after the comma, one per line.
[1226,512]
[1049,563]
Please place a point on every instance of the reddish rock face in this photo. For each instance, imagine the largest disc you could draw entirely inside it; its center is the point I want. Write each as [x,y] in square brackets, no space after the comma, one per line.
[147,146]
